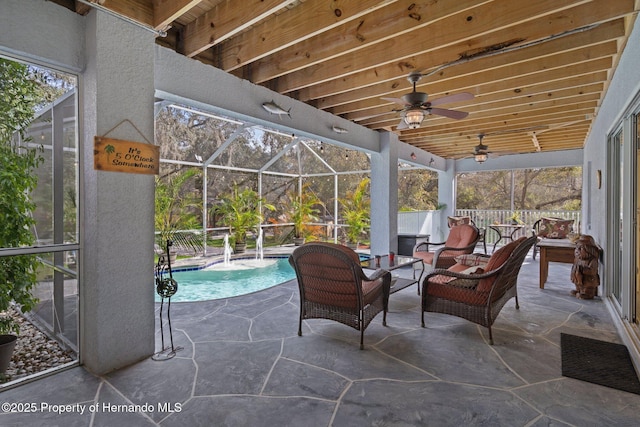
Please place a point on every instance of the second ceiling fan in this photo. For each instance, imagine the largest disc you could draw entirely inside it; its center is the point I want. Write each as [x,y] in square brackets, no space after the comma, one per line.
[416,105]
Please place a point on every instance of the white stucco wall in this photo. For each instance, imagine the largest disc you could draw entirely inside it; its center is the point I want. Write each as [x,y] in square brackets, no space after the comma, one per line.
[625,85]
[42,32]
[622,96]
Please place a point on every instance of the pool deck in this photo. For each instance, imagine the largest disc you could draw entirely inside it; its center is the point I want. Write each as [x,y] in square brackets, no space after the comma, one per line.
[242,364]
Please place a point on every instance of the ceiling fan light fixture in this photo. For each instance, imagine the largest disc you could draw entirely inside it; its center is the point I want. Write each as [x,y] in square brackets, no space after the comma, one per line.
[414,117]
[481,151]
[480,157]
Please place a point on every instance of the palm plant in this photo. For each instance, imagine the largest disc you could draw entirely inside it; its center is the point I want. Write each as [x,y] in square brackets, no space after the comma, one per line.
[177,209]
[302,209]
[240,210]
[356,207]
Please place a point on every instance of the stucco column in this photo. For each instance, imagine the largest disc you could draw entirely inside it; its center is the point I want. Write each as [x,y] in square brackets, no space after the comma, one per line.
[447,196]
[384,196]
[116,287]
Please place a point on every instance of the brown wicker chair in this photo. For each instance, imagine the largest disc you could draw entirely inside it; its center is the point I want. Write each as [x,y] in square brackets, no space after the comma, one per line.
[462,239]
[477,297]
[333,286]
[458,220]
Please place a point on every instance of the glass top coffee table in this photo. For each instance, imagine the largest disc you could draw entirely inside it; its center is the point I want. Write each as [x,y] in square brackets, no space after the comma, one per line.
[398,262]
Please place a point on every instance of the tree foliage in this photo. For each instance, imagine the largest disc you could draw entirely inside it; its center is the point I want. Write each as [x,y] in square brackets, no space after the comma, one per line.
[356,211]
[177,209]
[240,210]
[533,189]
[418,190]
[20,94]
[302,207]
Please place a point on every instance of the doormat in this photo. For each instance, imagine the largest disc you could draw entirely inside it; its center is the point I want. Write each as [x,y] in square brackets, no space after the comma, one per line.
[598,362]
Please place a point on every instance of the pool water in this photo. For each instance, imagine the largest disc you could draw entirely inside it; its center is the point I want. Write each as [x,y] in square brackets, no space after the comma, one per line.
[214,283]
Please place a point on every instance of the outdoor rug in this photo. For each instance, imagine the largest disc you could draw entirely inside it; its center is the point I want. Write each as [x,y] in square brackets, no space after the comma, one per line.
[598,362]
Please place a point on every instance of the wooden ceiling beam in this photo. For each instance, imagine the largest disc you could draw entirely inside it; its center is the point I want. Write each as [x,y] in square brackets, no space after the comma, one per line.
[554,79]
[503,78]
[138,10]
[487,20]
[524,123]
[498,109]
[579,85]
[593,91]
[531,120]
[501,131]
[568,132]
[323,93]
[167,11]
[227,19]
[291,29]
[391,22]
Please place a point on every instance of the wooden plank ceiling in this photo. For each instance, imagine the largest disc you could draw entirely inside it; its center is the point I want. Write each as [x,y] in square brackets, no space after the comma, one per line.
[538,70]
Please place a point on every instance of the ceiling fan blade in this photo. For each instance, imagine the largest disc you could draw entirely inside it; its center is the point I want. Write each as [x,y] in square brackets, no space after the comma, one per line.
[402,125]
[396,100]
[456,97]
[452,114]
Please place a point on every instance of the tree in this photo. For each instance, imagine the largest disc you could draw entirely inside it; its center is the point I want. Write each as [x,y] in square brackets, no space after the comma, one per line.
[417,190]
[20,95]
[533,189]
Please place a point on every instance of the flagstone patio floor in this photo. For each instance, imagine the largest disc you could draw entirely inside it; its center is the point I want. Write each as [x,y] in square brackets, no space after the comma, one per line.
[242,364]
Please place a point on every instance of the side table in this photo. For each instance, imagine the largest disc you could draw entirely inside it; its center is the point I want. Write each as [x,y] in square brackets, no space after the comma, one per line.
[399,261]
[554,250]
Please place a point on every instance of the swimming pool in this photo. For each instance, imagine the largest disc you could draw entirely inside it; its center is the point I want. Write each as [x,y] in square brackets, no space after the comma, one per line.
[215,281]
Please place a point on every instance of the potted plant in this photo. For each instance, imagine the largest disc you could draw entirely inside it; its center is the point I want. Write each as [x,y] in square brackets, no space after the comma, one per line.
[514,218]
[176,208]
[302,210]
[355,212]
[18,162]
[240,210]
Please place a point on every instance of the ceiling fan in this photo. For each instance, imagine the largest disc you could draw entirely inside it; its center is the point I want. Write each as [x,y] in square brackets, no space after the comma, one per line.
[415,105]
[481,152]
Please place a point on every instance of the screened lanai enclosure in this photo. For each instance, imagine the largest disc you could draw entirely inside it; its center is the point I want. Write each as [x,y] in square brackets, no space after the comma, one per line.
[209,156]
[49,244]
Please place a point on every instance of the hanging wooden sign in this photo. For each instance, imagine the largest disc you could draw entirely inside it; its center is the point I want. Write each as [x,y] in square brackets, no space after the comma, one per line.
[116,155]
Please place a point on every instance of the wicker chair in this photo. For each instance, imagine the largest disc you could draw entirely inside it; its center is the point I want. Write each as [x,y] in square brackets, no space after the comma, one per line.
[333,286]
[458,220]
[477,297]
[462,239]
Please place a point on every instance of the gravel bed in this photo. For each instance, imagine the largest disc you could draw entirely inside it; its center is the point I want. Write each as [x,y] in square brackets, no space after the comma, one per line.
[34,352]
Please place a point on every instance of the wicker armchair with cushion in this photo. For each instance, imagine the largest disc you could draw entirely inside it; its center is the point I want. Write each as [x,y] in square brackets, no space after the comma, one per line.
[475,293]
[462,239]
[551,228]
[333,286]
[459,220]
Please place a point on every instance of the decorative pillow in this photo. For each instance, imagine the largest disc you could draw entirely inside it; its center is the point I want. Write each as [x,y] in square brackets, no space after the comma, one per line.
[458,220]
[555,228]
[476,269]
[472,260]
